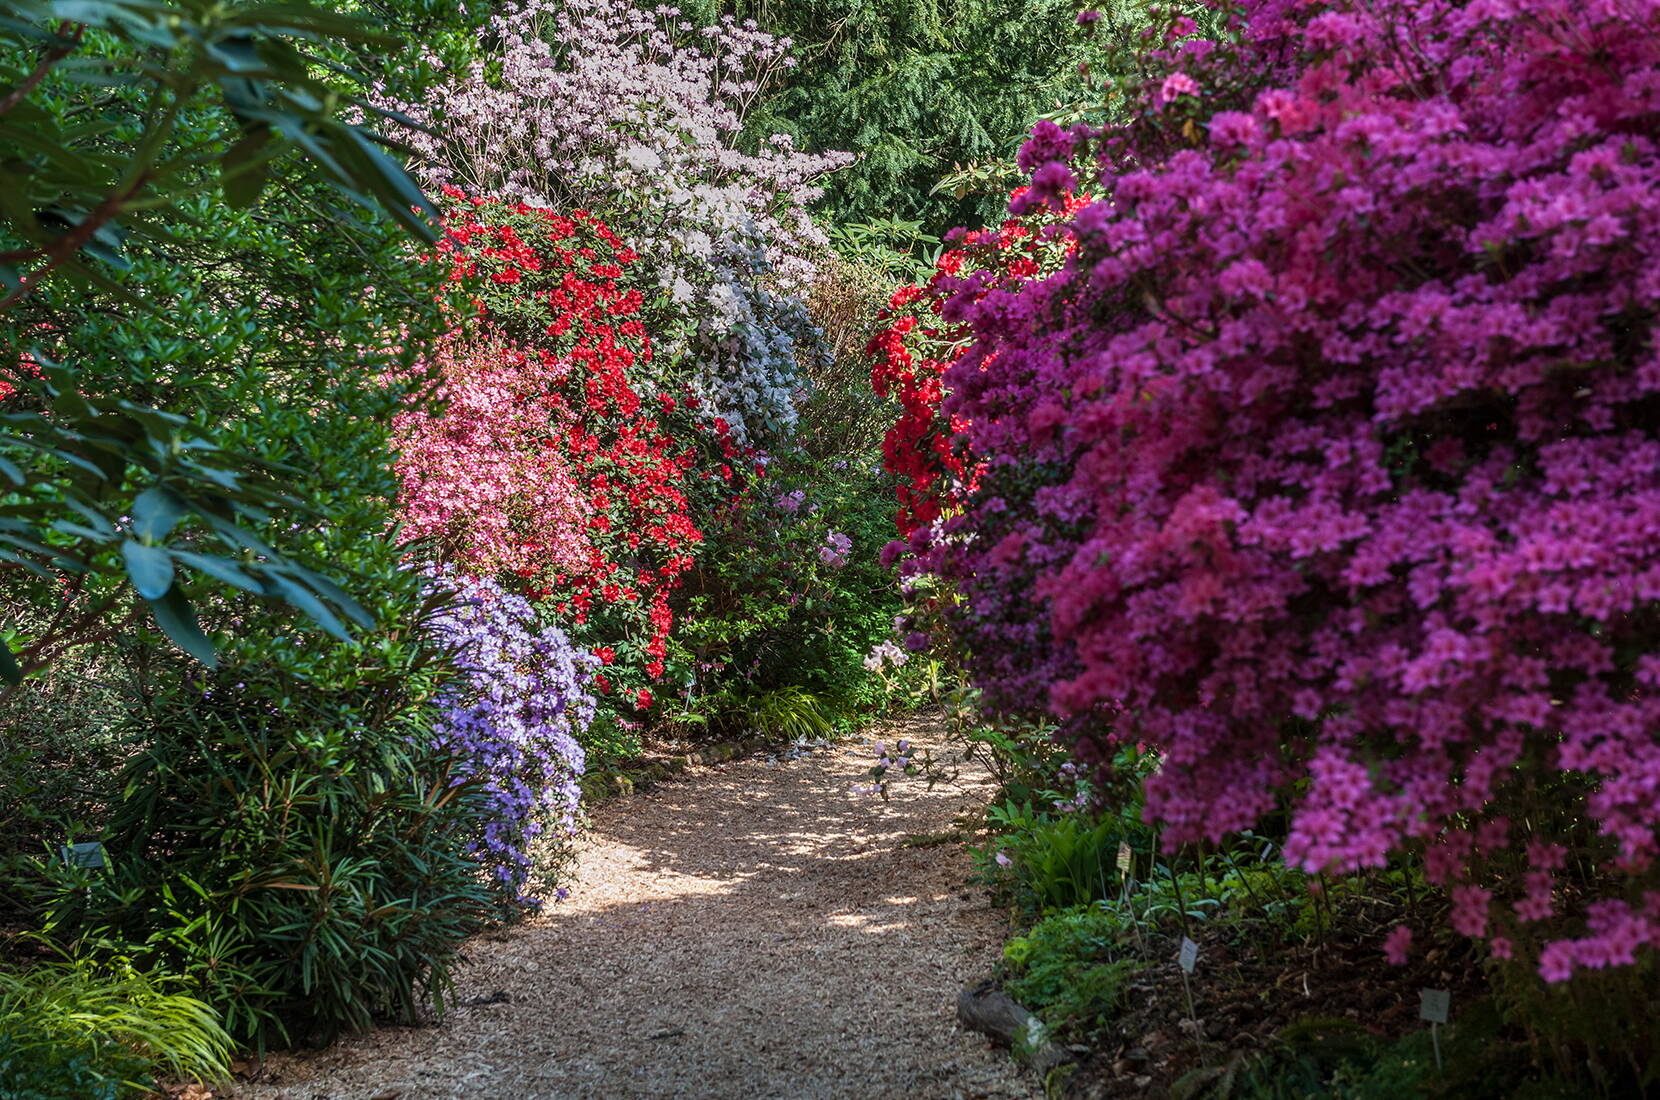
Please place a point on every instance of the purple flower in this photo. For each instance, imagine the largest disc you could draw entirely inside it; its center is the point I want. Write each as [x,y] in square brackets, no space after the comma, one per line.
[511,720]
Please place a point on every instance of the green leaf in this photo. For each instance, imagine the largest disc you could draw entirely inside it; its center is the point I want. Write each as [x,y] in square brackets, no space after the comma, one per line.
[156,512]
[150,567]
[177,620]
[245,167]
[220,568]
[303,599]
[10,671]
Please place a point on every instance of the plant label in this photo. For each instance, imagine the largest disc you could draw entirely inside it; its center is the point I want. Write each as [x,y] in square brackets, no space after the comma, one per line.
[1123,859]
[1433,1005]
[88,854]
[1189,955]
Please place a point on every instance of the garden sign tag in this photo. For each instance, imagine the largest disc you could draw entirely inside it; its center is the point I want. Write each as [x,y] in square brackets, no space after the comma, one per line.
[1190,956]
[1432,1006]
[88,854]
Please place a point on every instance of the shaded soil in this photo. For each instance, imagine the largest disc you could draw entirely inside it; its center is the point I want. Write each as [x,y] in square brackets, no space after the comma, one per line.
[757,930]
[1247,994]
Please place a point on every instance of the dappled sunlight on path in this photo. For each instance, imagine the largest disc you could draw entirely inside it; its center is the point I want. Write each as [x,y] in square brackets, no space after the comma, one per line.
[756,930]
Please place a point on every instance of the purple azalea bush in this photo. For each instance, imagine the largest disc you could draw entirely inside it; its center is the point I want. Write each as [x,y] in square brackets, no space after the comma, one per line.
[513,717]
[1330,462]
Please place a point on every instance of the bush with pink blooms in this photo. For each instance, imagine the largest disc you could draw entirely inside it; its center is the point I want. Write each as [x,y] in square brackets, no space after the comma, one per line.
[1331,455]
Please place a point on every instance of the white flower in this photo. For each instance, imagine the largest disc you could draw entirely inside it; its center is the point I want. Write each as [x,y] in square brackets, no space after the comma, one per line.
[641,159]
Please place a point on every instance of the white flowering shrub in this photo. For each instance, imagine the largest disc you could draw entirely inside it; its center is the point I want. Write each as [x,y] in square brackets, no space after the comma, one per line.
[635,114]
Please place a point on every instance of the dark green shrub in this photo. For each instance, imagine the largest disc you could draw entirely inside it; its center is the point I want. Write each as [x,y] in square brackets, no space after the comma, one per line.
[287,839]
[771,606]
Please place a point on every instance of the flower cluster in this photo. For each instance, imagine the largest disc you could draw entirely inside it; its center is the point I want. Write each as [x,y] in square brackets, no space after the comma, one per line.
[835,549]
[636,114]
[1332,456]
[479,479]
[550,463]
[1004,638]
[512,719]
[885,654]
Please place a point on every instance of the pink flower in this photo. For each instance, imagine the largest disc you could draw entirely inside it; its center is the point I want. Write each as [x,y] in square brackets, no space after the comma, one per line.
[1398,945]
[1178,84]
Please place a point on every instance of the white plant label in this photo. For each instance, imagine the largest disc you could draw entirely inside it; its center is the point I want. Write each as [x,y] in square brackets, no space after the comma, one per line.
[1189,956]
[1433,1005]
[88,854]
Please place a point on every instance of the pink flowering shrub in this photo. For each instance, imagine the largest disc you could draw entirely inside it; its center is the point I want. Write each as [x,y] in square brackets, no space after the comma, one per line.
[1335,449]
[478,479]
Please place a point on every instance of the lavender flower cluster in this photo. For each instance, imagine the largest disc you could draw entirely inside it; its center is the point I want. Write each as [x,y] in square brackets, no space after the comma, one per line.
[513,717]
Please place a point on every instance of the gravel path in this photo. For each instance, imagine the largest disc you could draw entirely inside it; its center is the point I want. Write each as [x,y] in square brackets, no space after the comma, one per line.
[755,930]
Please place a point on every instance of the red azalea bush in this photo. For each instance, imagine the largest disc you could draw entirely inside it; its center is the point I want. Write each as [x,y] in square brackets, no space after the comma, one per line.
[551,465]
[1332,456]
[924,333]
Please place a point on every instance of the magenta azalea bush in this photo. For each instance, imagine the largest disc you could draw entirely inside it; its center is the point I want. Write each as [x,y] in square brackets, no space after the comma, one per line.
[512,720]
[1331,459]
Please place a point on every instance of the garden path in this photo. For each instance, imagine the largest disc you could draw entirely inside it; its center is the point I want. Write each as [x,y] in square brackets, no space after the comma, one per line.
[756,930]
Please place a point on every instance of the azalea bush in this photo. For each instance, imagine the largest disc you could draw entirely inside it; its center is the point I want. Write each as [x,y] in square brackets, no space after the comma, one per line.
[998,633]
[1328,459]
[553,464]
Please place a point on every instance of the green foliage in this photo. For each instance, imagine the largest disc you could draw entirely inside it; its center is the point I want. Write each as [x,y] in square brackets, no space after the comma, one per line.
[279,832]
[914,87]
[895,248]
[1071,969]
[138,137]
[293,847]
[1319,1058]
[57,752]
[101,1031]
[283,835]
[1056,861]
[789,714]
[764,611]
[841,418]
[1612,1014]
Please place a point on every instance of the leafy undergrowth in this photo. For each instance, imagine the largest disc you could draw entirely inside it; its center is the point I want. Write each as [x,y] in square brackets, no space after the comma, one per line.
[1276,1016]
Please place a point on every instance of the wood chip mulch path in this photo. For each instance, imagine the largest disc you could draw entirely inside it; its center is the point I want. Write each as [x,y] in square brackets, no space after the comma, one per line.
[756,930]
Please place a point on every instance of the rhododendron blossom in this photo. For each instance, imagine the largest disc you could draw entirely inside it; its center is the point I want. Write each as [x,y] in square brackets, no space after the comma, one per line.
[621,110]
[1331,457]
